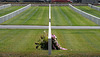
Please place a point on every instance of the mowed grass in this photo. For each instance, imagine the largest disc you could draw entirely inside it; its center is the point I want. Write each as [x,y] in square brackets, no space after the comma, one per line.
[89,10]
[61,16]
[32,16]
[78,42]
[66,16]
[9,10]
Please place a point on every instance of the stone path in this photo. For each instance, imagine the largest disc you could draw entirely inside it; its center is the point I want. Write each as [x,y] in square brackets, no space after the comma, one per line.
[46,27]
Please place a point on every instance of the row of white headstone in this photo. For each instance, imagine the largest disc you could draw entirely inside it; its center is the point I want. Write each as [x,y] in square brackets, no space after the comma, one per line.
[94,7]
[5,6]
[49,33]
[12,14]
[89,16]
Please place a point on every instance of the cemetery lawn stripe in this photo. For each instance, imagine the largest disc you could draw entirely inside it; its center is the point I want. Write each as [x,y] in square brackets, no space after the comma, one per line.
[89,10]
[9,10]
[62,16]
[82,42]
[32,16]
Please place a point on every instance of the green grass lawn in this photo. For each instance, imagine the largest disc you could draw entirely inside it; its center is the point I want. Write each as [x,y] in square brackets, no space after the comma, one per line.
[9,10]
[32,16]
[78,42]
[66,16]
[89,10]
[61,16]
